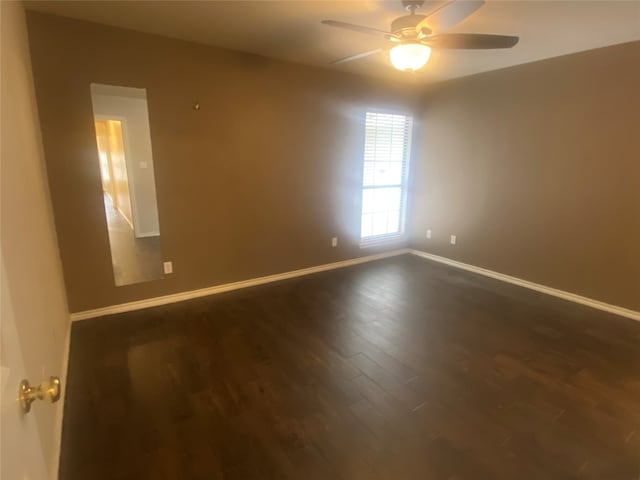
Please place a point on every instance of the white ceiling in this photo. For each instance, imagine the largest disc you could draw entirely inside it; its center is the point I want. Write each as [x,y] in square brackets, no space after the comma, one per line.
[291,30]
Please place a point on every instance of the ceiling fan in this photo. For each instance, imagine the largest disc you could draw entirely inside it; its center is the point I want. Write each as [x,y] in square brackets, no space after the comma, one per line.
[412,36]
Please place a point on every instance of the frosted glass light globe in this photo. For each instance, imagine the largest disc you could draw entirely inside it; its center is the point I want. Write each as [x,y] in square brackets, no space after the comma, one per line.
[409,56]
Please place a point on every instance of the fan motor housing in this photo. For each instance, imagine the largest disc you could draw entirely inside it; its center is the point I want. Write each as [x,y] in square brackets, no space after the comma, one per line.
[406,26]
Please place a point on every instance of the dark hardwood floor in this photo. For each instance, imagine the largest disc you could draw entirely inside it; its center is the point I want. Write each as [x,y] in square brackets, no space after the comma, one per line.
[397,369]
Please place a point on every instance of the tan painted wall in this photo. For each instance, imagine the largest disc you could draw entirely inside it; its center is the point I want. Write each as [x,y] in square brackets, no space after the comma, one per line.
[34,321]
[536,169]
[256,182]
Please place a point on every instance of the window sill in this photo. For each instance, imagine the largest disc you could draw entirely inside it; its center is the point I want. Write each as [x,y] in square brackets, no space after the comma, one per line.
[382,241]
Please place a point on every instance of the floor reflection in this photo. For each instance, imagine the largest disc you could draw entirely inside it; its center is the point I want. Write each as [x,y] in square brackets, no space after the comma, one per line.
[134,259]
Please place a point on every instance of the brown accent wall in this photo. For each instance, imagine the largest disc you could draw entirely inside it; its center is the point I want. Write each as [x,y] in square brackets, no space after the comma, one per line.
[254,183]
[536,169]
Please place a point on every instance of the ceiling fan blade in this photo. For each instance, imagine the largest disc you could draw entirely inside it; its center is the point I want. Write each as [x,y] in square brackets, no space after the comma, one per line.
[471,41]
[357,28]
[357,56]
[447,14]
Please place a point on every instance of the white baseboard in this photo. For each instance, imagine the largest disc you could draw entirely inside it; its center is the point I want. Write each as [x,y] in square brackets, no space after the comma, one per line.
[57,446]
[572,297]
[126,218]
[203,292]
[154,233]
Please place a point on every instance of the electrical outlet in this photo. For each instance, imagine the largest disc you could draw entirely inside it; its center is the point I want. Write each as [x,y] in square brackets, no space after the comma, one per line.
[334,242]
[454,239]
[143,164]
[168,267]
[429,233]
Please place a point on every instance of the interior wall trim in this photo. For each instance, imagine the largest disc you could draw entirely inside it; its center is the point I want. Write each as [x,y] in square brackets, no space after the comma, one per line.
[227,287]
[572,297]
[154,233]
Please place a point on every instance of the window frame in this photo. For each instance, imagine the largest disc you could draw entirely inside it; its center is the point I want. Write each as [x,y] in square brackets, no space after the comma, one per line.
[400,235]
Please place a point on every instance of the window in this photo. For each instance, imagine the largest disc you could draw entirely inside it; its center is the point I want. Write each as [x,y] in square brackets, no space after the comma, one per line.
[387,147]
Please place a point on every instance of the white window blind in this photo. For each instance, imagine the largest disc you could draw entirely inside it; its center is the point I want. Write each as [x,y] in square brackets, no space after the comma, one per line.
[387,148]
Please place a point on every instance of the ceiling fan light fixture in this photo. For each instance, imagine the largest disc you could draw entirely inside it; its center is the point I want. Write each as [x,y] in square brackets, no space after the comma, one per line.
[409,56]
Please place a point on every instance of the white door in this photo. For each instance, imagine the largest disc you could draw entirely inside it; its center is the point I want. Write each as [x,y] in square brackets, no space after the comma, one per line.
[23,455]
[33,315]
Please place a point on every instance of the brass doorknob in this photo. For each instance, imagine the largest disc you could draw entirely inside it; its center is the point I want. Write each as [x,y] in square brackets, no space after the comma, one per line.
[48,390]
